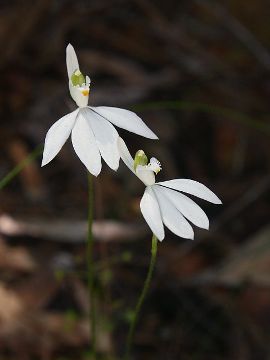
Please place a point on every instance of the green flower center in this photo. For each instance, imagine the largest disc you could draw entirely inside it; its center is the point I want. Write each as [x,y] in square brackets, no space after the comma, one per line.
[77,78]
[140,159]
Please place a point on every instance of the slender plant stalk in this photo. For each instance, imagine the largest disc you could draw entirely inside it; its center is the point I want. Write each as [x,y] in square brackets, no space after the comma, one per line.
[234,115]
[90,264]
[18,168]
[142,296]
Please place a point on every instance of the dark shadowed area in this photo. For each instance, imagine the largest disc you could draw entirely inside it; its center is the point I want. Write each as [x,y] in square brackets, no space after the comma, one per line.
[198,73]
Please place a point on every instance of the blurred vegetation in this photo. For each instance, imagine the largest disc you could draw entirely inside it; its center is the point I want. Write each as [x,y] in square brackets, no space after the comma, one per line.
[197,72]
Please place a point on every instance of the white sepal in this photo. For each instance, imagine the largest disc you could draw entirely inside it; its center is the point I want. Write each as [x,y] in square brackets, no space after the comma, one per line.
[126,119]
[192,187]
[151,212]
[57,135]
[85,146]
[125,155]
[187,207]
[72,61]
[106,137]
[171,217]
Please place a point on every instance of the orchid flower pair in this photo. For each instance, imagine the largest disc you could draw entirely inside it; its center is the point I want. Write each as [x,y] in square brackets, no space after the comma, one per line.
[94,137]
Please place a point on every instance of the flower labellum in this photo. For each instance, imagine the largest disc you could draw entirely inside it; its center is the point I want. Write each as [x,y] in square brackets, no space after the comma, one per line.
[91,128]
[164,203]
[79,87]
[155,165]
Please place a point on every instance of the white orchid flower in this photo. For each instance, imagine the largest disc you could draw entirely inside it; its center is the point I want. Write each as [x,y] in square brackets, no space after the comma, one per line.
[164,202]
[92,133]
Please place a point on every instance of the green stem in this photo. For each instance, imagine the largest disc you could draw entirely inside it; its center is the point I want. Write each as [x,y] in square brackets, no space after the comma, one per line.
[191,106]
[18,168]
[142,296]
[90,263]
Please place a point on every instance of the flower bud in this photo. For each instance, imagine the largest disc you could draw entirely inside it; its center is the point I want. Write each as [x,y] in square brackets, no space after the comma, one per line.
[140,159]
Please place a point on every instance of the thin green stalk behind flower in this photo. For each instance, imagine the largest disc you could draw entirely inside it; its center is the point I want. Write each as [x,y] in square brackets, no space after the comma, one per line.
[90,265]
[190,106]
[142,296]
[18,168]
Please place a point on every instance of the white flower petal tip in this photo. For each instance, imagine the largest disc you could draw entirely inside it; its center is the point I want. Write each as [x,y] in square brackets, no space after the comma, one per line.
[43,162]
[192,187]
[84,144]
[94,173]
[152,136]
[160,238]
[186,206]
[151,213]
[171,216]
[57,136]
[72,60]
[127,120]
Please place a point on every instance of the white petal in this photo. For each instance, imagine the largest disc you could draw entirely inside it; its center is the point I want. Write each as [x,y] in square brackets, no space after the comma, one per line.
[187,207]
[125,155]
[72,61]
[171,217]
[85,146]
[192,187]
[125,119]
[151,213]
[57,136]
[106,137]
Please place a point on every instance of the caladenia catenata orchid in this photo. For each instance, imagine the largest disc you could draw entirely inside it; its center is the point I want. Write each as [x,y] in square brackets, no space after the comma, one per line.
[93,137]
[163,203]
[92,132]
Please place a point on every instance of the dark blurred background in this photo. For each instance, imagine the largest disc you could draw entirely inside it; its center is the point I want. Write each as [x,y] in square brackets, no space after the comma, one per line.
[198,73]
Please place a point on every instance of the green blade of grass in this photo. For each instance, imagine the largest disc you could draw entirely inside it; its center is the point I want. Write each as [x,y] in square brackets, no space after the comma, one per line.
[234,115]
[18,168]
